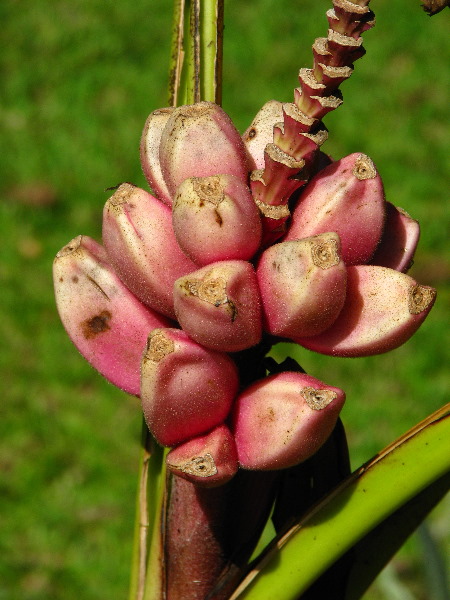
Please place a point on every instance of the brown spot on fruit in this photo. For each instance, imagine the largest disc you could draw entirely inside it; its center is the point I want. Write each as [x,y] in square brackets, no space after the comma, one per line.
[218,218]
[97,324]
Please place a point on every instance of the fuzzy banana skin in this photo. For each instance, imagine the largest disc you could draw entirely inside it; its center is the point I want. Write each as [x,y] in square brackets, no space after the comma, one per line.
[284,419]
[138,235]
[383,309]
[346,197]
[219,306]
[399,240]
[105,321]
[186,389]
[200,140]
[208,460]
[303,285]
[215,218]
[149,151]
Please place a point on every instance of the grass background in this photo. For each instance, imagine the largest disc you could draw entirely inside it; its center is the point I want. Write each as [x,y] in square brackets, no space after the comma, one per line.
[78,80]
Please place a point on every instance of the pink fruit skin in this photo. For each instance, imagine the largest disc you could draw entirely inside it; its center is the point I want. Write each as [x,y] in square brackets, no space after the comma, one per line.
[351,205]
[209,460]
[303,285]
[138,235]
[105,321]
[149,151]
[399,241]
[260,132]
[382,311]
[219,306]
[274,427]
[200,140]
[215,218]
[186,390]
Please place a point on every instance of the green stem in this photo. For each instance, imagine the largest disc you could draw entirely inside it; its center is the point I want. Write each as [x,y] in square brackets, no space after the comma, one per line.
[197,48]
[149,463]
[193,55]
[155,577]
[176,52]
[212,50]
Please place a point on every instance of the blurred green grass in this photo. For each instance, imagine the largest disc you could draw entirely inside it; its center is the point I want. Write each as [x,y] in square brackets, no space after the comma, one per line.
[78,80]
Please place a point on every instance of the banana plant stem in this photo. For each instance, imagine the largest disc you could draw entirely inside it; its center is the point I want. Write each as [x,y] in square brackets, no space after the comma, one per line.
[195,71]
[212,50]
[142,521]
[177,52]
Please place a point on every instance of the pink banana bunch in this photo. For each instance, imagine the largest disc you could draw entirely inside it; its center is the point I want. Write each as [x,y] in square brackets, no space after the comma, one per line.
[247,240]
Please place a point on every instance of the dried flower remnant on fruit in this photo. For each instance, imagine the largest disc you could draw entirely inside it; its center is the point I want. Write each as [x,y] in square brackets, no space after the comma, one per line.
[159,346]
[122,194]
[219,306]
[318,399]
[72,246]
[420,297]
[325,252]
[212,291]
[200,466]
[433,7]
[364,168]
[208,189]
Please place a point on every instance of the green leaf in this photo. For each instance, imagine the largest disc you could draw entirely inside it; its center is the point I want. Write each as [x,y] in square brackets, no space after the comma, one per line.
[356,507]
[361,564]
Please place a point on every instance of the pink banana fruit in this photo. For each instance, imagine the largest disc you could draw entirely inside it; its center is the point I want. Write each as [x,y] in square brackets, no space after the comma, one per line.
[399,241]
[284,419]
[105,321]
[219,306]
[138,235]
[346,197]
[149,151]
[200,140]
[383,309]
[303,285]
[208,460]
[215,218]
[260,131]
[186,389]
